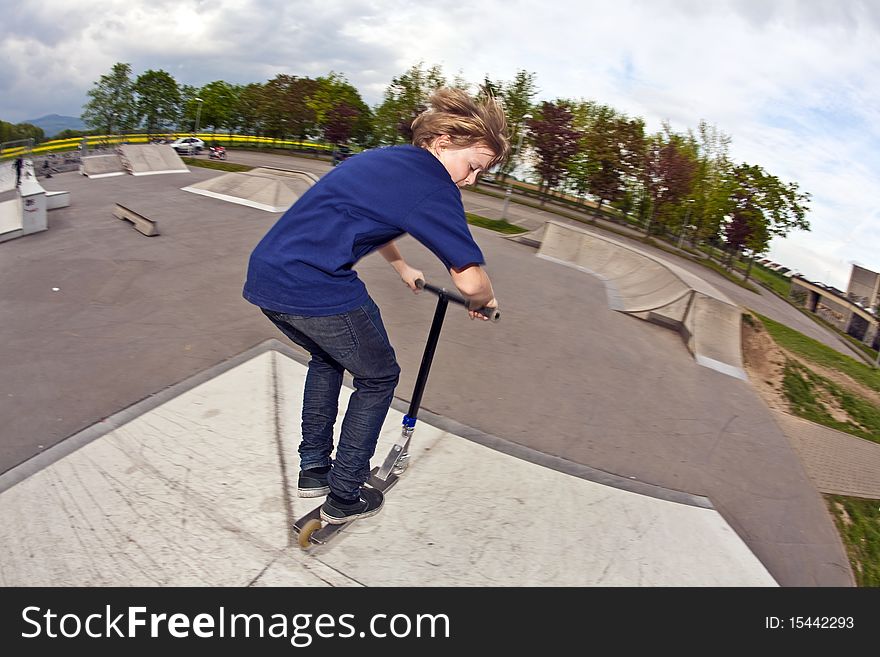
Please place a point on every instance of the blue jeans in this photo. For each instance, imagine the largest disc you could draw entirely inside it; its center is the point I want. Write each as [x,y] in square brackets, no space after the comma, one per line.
[355,341]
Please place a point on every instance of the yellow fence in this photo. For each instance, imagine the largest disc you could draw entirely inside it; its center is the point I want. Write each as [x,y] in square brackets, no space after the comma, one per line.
[104,141]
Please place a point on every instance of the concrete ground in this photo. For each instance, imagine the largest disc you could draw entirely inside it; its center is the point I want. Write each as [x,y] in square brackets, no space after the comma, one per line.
[97,318]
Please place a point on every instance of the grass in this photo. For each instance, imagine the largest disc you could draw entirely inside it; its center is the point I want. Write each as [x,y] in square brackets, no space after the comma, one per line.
[858,522]
[768,278]
[810,395]
[858,344]
[816,352]
[498,225]
[215,164]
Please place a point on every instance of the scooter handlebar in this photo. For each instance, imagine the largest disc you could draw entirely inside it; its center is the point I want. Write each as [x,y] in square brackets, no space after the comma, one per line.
[491,313]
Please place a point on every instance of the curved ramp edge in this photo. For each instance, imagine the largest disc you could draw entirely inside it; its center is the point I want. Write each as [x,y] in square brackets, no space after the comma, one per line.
[645,286]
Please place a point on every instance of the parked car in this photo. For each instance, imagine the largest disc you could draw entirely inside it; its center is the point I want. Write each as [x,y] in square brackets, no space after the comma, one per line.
[185,145]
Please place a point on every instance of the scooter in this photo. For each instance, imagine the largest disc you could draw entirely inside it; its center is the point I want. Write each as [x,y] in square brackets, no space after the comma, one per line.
[309,529]
[217,152]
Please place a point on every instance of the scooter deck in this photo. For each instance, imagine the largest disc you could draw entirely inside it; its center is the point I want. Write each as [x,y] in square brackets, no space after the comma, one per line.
[327,531]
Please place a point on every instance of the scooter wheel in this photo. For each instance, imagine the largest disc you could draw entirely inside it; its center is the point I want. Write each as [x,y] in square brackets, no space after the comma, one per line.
[306,532]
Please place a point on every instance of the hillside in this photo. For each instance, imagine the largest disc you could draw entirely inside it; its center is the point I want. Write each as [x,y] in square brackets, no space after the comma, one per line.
[52,124]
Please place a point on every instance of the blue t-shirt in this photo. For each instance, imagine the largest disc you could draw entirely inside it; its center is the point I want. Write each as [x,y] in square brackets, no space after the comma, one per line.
[303,266]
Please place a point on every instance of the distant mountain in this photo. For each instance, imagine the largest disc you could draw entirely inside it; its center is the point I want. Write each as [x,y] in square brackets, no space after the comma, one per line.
[52,124]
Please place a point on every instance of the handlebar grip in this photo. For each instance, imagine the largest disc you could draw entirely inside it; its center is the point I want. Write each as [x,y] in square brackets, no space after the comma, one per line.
[491,313]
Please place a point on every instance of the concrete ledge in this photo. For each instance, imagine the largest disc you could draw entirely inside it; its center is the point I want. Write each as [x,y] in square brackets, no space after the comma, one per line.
[10,218]
[643,285]
[143,224]
[55,200]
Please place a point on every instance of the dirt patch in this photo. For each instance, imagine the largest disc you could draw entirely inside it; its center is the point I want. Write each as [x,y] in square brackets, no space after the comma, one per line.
[842,514]
[764,361]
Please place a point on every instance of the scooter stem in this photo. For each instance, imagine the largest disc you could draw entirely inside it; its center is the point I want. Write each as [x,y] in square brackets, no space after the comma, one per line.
[400,448]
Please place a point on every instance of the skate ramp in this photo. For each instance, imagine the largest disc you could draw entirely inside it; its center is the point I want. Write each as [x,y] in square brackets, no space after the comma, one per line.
[7,176]
[197,487]
[10,218]
[529,238]
[150,159]
[264,188]
[643,285]
[101,166]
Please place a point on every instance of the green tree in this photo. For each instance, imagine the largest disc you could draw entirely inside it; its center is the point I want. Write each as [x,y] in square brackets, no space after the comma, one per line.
[610,153]
[219,100]
[189,108]
[404,99]
[488,88]
[763,207]
[518,97]
[713,184]
[667,175]
[20,131]
[111,106]
[339,123]
[70,134]
[285,109]
[340,112]
[158,100]
[555,141]
[246,114]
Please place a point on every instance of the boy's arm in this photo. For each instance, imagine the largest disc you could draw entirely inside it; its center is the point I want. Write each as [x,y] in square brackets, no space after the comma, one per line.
[408,275]
[473,282]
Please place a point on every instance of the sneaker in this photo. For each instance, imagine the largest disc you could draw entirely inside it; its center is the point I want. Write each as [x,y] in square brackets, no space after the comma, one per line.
[312,484]
[369,503]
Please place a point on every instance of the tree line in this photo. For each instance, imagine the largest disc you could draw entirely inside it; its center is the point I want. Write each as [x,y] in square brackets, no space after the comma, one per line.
[20,132]
[683,184]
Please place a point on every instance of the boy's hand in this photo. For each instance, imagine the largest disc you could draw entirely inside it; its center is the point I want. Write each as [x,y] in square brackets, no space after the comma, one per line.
[475,315]
[410,275]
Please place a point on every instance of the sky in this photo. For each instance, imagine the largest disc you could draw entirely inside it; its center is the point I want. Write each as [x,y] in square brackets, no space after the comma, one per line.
[795,84]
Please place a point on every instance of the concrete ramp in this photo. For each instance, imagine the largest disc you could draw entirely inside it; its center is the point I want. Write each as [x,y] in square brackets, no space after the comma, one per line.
[10,218]
[264,188]
[7,176]
[531,238]
[101,166]
[196,487]
[641,284]
[150,159]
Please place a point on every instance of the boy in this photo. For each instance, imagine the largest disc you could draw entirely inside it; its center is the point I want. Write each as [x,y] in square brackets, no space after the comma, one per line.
[301,276]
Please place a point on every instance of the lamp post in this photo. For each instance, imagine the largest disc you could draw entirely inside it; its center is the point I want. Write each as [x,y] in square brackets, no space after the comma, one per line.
[198,115]
[192,146]
[519,142]
[687,216]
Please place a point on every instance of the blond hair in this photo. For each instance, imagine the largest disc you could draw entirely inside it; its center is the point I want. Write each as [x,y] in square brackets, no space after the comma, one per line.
[466,121]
